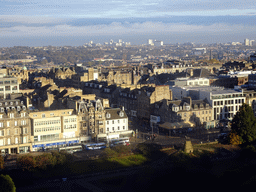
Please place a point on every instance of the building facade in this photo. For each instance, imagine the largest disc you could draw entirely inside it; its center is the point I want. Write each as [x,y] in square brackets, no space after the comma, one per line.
[8,85]
[53,128]
[15,132]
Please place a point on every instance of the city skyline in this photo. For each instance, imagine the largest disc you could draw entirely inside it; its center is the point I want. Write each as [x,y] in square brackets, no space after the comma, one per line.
[36,23]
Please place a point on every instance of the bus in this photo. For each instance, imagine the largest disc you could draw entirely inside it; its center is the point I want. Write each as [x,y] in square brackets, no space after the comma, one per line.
[120,141]
[93,146]
[125,139]
[71,149]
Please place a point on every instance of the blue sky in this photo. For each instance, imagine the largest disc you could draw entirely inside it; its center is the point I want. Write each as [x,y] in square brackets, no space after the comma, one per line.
[36,21]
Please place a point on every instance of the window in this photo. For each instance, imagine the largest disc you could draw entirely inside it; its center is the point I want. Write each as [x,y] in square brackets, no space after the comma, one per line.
[8,124]
[9,141]
[113,128]
[16,131]
[1,124]
[15,123]
[118,128]
[24,139]
[113,122]
[23,122]
[2,133]
[16,140]
[25,131]
[11,115]
[8,131]
[107,129]
[107,122]
[108,115]
[43,115]
[123,127]
[1,142]
[121,114]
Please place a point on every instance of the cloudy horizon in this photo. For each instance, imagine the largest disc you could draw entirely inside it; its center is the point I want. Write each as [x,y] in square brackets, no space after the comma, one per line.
[36,23]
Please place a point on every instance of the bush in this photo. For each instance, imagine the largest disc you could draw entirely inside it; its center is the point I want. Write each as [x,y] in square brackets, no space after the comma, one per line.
[108,153]
[42,161]
[234,138]
[6,184]
[122,149]
[26,162]
[29,162]
[1,162]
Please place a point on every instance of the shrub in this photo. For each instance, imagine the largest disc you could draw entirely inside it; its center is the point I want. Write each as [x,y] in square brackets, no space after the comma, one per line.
[7,184]
[42,161]
[26,162]
[234,138]
[1,162]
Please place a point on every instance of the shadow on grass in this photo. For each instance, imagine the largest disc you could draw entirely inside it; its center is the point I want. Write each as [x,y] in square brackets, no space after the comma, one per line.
[116,158]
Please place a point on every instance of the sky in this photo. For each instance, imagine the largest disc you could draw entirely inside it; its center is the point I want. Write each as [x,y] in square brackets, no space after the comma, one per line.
[65,22]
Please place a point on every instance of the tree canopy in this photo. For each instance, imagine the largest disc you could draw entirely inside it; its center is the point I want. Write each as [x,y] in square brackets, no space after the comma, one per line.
[7,184]
[244,124]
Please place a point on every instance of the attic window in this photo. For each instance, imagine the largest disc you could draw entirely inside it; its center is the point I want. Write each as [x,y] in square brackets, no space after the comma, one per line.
[121,114]
[108,115]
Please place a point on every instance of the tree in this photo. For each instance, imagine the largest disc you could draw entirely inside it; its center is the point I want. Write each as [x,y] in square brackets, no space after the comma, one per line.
[7,184]
[26,162]
[234,139]
[1,162]
[244,124]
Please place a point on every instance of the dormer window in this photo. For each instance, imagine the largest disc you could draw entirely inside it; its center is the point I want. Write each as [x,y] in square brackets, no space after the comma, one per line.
[175,108]
[121,114]
[108,115]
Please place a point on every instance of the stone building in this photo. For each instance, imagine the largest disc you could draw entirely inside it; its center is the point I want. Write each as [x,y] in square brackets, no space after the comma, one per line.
[15,132]
[91,118]
[120,77]
[147,96]
[62,73]
[128,99]
[195,112]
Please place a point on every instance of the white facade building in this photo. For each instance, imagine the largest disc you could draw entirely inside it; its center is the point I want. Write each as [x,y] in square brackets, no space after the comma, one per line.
[8,85]
[116,123]
[224,102]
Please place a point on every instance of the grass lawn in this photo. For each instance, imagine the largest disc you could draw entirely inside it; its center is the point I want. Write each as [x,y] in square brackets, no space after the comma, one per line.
[90,166]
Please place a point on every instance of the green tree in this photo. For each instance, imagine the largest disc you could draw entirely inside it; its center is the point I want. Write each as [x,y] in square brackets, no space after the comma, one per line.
[6,184]
[244,124]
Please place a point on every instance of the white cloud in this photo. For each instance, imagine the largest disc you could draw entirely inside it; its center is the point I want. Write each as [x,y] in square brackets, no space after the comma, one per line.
[122,29]
[29,19]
